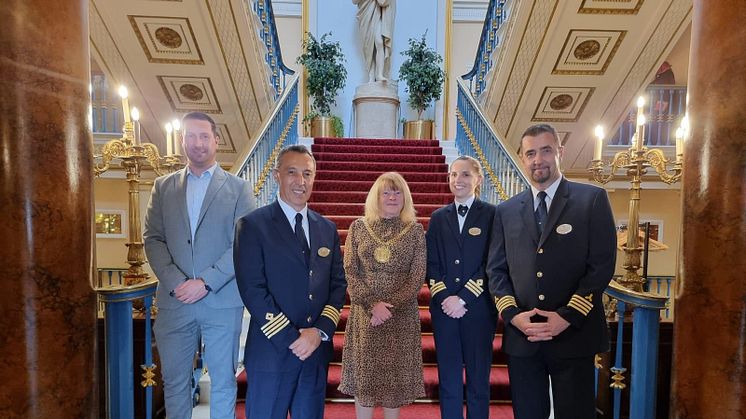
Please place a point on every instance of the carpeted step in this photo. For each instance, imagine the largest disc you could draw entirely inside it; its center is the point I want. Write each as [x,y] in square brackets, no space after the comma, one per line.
[329,209]
[359,197]
[352,156]
[375,149]
[362,174]
[364,186]
[346,410]
[377,141]
[382,167]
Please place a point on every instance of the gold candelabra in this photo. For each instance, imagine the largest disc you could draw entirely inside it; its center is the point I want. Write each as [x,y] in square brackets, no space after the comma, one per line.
[635,161]
[134,155]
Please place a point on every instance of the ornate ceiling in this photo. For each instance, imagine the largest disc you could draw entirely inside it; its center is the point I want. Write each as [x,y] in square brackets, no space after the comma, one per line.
[178,56]
[577,63]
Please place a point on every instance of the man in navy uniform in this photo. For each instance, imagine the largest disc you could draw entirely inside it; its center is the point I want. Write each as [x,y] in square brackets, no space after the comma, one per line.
[463,315]
[552,254]
[291,278]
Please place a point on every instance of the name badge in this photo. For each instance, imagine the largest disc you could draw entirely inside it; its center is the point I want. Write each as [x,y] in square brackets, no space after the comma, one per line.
[475,231]
[564,228]
[324,252]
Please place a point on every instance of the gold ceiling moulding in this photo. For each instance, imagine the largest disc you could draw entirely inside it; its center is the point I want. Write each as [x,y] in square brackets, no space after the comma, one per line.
[588,52]
[610,7]
[167,39]
[186,94]
[562,104]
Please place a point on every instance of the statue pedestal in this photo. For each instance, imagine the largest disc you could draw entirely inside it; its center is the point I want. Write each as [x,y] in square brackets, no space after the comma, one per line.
[376,109]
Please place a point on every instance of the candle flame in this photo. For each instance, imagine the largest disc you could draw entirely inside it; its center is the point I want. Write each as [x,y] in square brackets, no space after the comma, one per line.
[123,92]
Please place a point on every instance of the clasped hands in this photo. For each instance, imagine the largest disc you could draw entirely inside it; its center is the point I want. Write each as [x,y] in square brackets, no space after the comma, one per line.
[453,307]
[307,342]
[536,332]
[190,291]
[380,312]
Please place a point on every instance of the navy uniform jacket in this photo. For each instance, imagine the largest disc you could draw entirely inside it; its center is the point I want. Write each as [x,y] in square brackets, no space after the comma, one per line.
[281,293]
[565,270]
[456,261]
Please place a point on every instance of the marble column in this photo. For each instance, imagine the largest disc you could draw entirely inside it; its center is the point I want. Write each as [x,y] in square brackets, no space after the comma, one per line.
[709,368]
[47,306]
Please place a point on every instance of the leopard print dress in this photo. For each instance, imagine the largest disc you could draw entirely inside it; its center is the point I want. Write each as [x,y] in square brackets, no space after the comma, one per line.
[382,365]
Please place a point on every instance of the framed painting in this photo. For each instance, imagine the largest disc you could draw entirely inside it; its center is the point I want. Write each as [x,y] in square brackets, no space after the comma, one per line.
[111,223]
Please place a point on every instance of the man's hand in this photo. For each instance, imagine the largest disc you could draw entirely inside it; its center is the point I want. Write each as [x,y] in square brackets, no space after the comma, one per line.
[523,321]
[453,307]
[380,313]
[190,291]
[306,343]
[554,325]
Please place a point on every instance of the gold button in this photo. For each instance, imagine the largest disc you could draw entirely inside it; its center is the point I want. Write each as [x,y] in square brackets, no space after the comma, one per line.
[457,261]
[457,279]
[310,296]
[541,251]
[541,297]
[539,274]
[310,318]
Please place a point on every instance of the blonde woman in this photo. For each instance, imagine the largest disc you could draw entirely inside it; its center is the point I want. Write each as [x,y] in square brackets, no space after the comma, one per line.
[463,315]
[385,262]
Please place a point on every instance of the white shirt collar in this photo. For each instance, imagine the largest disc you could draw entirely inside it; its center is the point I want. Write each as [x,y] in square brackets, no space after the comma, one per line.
[469,202]
[551,190]
[211,171]
[290,211]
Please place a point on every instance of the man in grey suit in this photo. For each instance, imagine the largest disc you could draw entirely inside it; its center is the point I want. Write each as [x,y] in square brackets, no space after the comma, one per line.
[189,229]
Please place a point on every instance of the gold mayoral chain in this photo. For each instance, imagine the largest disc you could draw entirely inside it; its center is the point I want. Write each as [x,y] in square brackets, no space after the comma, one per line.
[382,253]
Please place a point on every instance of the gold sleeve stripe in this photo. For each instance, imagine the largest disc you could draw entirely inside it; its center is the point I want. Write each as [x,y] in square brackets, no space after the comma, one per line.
[279,318]
[581,305]
[472,286]
[275,325]
[331,313]
[437,287]
[582,301]
[505,302]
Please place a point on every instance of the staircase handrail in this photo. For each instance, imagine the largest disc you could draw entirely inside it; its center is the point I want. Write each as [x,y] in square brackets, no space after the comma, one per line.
[279,129]
[268,34]
[503,171]
[646,307]
[487,42]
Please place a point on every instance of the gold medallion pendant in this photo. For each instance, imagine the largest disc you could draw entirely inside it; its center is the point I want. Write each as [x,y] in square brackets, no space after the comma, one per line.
[382,254]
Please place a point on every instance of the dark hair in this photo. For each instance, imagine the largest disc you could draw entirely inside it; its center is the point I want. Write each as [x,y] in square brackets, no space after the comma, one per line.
[538,129]
[201,116]
[295,148]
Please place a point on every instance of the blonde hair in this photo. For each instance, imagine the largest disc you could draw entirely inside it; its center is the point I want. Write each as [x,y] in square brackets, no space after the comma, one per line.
[395,182]
[476,167]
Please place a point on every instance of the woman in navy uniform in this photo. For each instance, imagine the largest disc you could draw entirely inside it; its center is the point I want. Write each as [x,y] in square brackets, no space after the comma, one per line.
[463,316]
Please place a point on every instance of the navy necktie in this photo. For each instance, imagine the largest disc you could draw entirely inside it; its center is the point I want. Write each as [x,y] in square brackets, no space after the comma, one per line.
[462,210]
[300,234]
[541,212]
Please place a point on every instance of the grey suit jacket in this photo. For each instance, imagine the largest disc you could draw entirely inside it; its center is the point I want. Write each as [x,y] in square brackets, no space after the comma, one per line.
[168,242]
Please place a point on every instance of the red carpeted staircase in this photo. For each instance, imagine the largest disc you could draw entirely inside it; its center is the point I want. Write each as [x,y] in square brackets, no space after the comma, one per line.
[345,172]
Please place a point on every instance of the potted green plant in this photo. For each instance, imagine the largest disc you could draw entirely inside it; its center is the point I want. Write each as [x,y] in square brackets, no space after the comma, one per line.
[324,63]
[424,77]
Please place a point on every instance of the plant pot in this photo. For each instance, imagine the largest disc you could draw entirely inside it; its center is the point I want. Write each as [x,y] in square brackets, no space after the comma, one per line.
[322,126]
[421,129]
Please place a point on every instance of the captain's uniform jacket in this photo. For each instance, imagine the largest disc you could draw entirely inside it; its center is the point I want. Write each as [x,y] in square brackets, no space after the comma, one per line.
[565,270]
[281,293]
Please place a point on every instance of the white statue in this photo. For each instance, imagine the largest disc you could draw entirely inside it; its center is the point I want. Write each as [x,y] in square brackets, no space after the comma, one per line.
[376,20]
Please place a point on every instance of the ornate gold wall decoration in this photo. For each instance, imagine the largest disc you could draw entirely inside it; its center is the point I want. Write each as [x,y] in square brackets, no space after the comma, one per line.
[562,104]
[588,52]
[186,94]
[168,40]
[225,141]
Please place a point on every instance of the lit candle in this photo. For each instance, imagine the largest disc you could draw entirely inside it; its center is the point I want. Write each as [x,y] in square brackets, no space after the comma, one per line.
[125,103]
[679,142]
[169,139]
[599,142]
[640,123]
[177,136]
[136,118]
